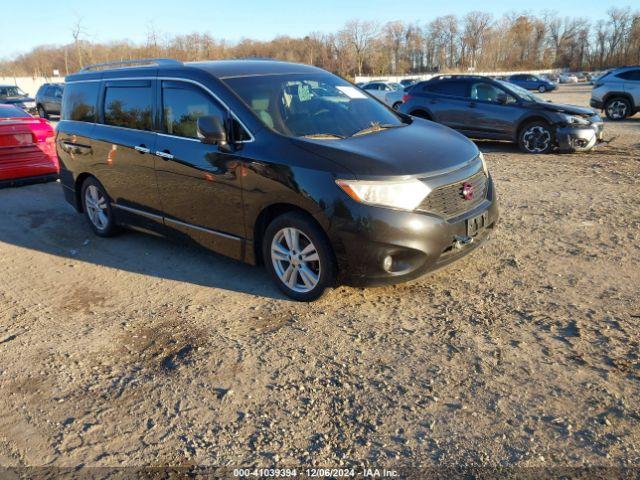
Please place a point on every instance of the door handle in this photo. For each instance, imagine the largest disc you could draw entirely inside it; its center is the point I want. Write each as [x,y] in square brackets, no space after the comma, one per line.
[165,154]
[142,148]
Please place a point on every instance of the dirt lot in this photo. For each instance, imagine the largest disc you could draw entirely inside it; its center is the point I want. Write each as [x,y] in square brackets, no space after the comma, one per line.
[138,351]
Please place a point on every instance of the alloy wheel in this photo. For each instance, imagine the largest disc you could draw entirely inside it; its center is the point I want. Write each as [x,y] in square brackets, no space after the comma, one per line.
[617,109]
[96,205]
[536,139]
[295,260]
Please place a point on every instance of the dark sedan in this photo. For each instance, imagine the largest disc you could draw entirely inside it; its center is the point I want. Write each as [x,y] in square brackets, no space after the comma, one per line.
[532,82]
[481,107]
[13,95]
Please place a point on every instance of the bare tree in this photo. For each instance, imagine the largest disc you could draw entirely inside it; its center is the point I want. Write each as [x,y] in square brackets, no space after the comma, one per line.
[360,36]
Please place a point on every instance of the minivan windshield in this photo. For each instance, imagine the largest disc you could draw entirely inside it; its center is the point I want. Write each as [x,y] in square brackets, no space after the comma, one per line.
[312,105]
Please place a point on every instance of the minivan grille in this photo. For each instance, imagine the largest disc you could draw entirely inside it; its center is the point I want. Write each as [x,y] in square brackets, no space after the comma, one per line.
[448,200]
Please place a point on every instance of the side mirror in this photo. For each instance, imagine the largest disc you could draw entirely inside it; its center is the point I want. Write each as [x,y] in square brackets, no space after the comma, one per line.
[502,98]
[211,130]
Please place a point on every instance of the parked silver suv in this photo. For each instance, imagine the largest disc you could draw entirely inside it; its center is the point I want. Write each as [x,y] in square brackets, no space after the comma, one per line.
[617,92]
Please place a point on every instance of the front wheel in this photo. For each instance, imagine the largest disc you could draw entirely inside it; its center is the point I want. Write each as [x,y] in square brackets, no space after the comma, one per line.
[536,137]
[97,208]
[298,256]
[542,89]
[42,113]
[617,108]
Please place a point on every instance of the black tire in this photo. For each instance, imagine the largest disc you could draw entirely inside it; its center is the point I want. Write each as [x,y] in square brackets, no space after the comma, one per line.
[109,228]
[42,113]
[324,269]
[617,108]
[542,89]
[536,137]
[396,105]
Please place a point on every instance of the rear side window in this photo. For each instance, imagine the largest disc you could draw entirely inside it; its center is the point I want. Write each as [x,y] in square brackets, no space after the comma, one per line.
[79,102]
[129,105]
[630,75]
[454,88]
[182,105]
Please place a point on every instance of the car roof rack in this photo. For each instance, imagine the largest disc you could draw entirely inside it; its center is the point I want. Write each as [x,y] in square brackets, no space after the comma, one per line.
[162,62]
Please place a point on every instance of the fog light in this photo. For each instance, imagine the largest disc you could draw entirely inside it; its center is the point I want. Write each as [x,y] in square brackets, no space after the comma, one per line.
[387,263]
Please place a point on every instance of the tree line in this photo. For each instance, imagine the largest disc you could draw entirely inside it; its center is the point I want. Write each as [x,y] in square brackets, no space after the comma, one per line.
[475,41]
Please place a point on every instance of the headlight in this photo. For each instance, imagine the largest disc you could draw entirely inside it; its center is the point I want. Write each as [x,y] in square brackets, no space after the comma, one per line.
[29,104]
[573,120]
[403,194]
[484,164]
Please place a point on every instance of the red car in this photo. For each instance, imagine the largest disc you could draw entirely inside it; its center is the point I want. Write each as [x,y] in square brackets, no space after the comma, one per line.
[27,148]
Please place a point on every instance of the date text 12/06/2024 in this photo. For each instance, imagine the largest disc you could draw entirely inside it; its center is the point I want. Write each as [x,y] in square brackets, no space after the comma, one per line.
[316,472]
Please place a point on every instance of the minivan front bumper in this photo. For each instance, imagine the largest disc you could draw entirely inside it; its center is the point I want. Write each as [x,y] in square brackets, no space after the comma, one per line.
[364,236]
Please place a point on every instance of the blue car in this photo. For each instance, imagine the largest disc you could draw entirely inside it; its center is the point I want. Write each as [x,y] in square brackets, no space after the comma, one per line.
[532,82]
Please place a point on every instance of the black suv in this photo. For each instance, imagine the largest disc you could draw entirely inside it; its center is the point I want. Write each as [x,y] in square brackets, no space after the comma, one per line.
[49,99]
[484,108]
[272,162]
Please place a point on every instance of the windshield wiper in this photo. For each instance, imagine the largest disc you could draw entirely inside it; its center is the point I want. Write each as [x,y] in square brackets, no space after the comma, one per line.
[323,135]
[376,127]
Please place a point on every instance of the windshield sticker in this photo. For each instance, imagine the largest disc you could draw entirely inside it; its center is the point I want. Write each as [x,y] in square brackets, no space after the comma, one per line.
[304,92]
[352,92]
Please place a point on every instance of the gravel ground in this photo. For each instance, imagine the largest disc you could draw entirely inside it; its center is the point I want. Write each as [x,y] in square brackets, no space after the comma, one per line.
[137,351]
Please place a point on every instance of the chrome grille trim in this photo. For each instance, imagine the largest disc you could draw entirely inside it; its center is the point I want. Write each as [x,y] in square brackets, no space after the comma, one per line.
[448,202]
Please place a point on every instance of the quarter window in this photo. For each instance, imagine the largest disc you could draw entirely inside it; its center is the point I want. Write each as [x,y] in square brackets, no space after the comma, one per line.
[80,101]
[183,104]
[129,105]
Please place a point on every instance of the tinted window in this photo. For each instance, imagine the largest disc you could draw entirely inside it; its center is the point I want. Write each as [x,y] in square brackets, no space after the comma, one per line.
[80,101]
[630,75]
[456,88]
[129,105]
[7,111]
[183,104]
[49,91]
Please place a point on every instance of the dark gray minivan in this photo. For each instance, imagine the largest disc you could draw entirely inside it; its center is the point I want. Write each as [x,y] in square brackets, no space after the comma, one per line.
[275,163]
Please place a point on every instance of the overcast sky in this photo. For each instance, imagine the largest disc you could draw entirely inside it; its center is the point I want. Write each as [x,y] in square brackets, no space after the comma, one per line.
[40,22]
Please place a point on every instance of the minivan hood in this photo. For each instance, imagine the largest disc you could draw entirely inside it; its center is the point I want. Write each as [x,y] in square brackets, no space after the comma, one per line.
[565,108]
[423,147]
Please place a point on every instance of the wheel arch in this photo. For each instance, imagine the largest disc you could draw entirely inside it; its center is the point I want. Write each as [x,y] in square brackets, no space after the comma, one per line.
[530,119]
[80,179]
[617,94]
[267,215]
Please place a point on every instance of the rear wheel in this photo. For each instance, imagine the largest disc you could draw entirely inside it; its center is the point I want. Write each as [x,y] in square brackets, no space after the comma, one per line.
[298,256]
[542,89]
[396,105]
[97,208]
[617,108]
[42,112]
[536,137]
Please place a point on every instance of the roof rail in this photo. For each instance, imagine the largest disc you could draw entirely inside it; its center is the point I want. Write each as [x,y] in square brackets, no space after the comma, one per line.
[168,62]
